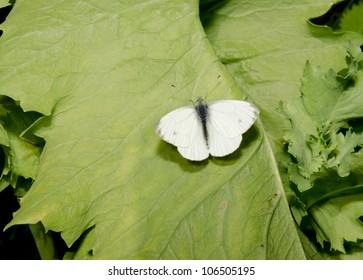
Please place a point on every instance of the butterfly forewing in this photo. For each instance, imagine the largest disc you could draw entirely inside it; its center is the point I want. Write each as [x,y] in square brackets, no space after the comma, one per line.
[231,118]
[178,126]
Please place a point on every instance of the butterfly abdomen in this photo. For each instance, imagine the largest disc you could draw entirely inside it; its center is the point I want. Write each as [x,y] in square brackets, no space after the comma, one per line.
[202,112]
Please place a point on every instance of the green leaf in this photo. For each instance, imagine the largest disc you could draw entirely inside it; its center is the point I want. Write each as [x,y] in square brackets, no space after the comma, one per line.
[320,88]
[43,241]
[265,45]
[312,138]
[4,139]
[4,3]
[265,48]
[104,74]
[23,156]
[338,219]
[345,146]
[312,123]
[352,19]
[326,147]
[20,153]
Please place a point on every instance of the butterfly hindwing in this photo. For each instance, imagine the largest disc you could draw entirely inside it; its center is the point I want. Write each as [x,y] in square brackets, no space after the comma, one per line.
[220,145]
[197,150]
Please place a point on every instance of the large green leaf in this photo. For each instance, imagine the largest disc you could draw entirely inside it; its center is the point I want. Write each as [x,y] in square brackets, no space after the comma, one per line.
[352,19]
[4,3]
[20,155]
[326,148]
[265,45]
[104,73]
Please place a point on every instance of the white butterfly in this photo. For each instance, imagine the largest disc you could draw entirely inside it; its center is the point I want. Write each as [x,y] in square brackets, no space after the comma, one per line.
[215,128]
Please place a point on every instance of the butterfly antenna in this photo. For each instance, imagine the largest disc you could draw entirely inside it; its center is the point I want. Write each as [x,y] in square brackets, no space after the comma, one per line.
[206,95]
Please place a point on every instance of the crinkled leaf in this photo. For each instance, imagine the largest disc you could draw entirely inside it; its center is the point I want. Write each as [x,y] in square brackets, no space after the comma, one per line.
[301,135]
[328,184]
[105,73]
[21,156]
[326,150]
[352,19]
[349,104]
[265,48]
[345,146]
[312,138]
[337,220]
[24,154]
[320,88]
[4,139]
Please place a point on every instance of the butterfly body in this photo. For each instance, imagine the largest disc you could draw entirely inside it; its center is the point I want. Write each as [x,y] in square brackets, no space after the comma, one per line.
[215,128]
[202,111]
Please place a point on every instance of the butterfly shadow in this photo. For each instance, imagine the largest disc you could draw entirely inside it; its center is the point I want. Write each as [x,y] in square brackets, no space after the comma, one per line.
[170,153]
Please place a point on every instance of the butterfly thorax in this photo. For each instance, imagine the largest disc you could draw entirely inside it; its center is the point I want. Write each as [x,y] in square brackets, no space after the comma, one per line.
[202,112]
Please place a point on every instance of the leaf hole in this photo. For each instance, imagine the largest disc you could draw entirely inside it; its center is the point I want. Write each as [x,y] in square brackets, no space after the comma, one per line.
[356,125]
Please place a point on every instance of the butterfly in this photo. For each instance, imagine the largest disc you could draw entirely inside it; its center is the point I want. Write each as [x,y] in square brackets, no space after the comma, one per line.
[215,128]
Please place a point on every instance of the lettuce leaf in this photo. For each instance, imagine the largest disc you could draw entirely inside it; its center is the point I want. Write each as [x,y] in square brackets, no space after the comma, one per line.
[351,19]
[265,45]
[325,141]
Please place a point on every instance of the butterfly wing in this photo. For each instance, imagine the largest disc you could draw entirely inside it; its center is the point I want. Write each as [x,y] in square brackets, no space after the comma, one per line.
[197,150]
[227,121]
[183,129]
